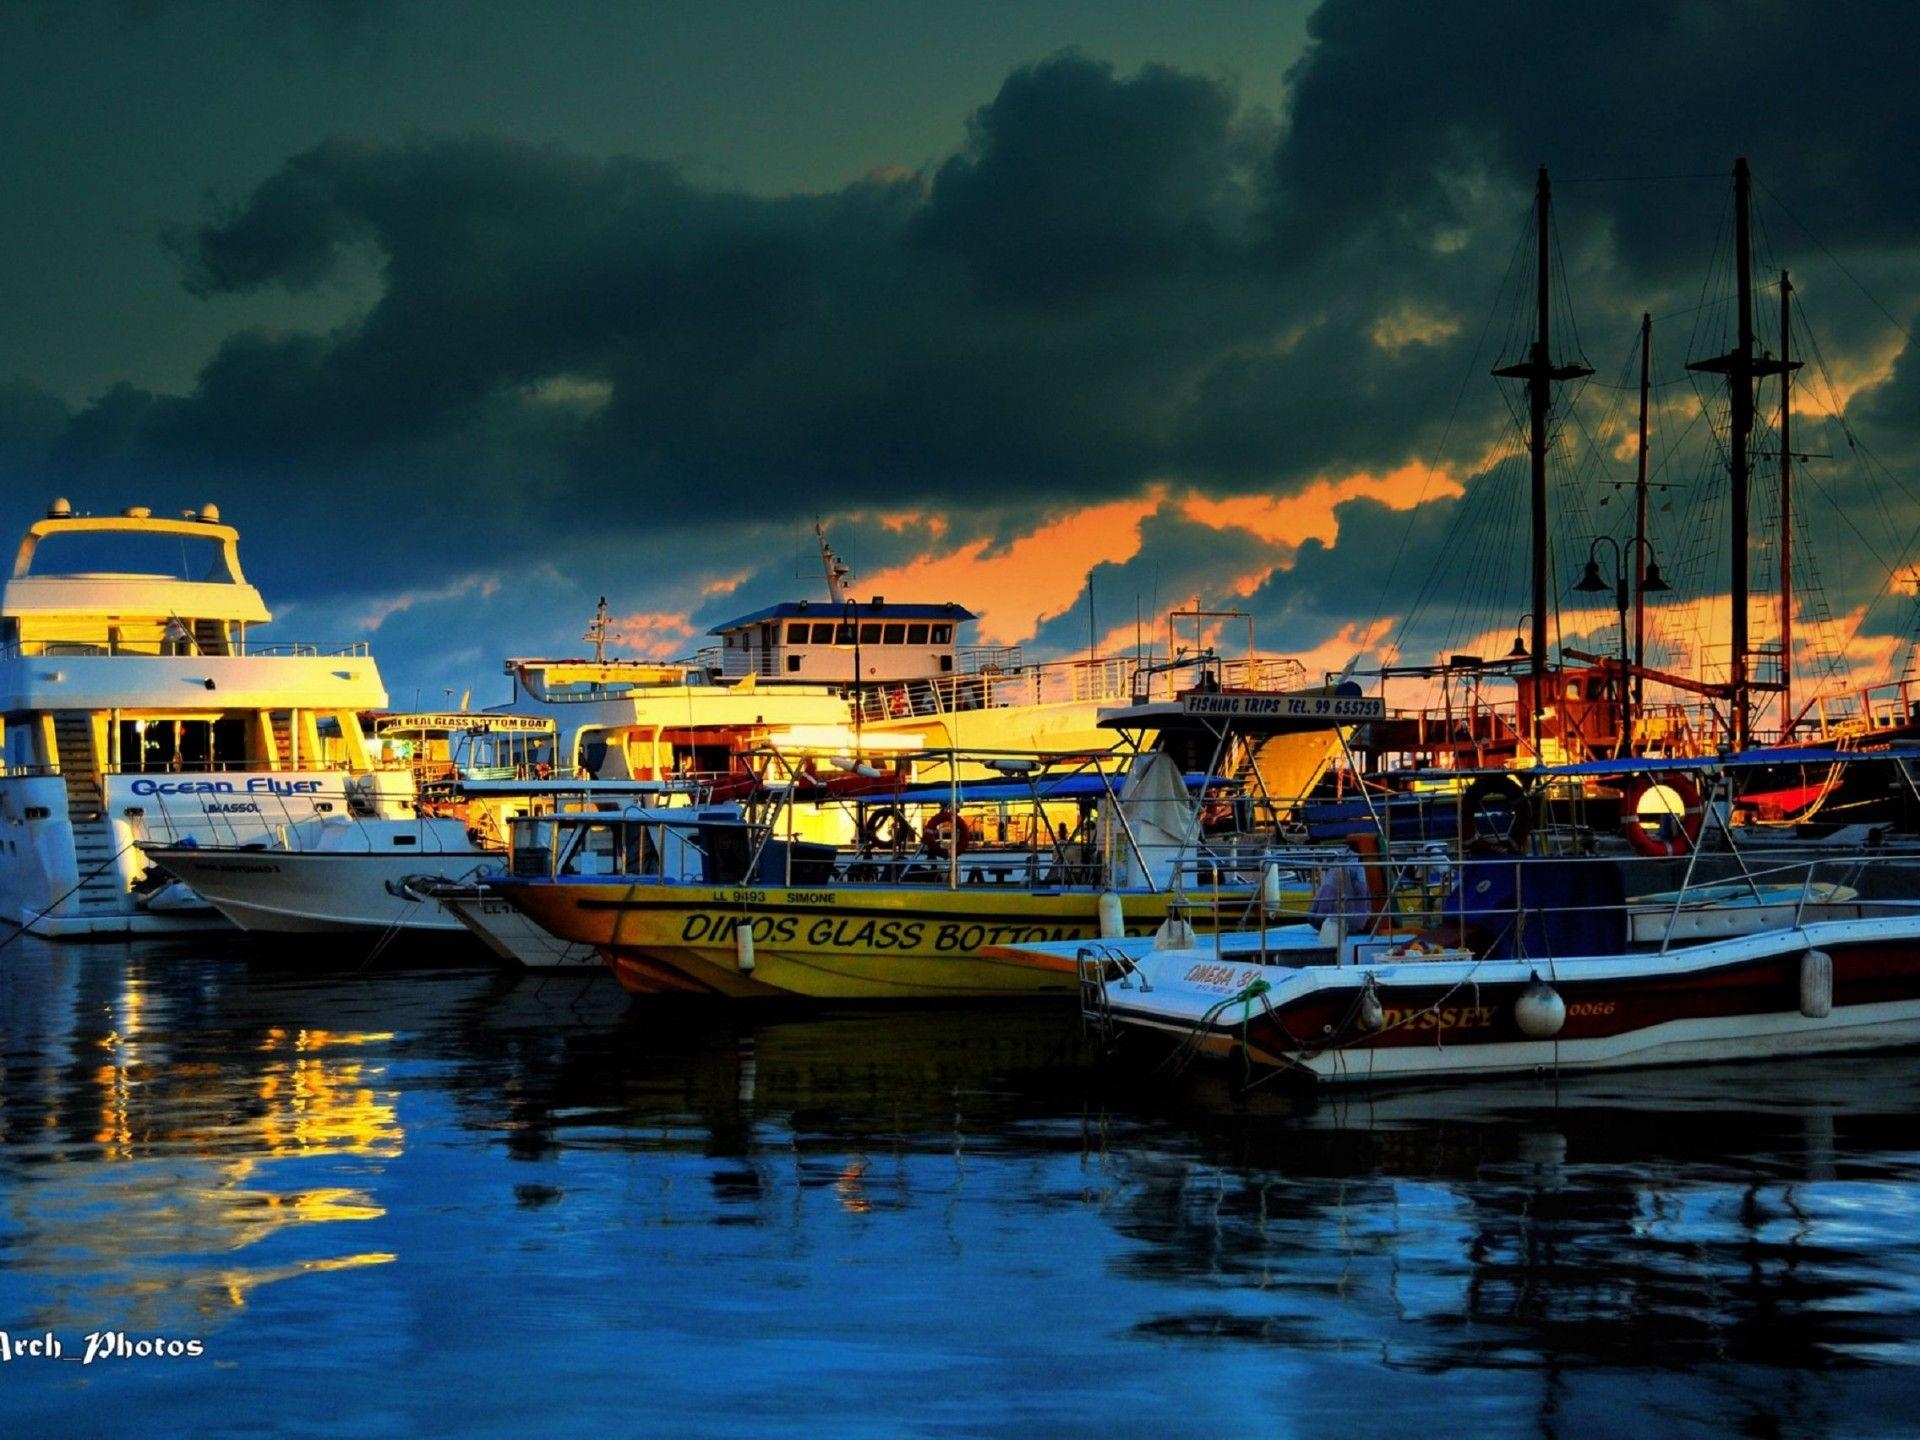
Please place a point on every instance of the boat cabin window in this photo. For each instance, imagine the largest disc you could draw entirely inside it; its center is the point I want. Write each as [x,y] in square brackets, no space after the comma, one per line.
[122,552]
[916,634]
[943,634]
[894,635]
[152,746]
[796,634]
[870,632]
[623,849]
[843,634]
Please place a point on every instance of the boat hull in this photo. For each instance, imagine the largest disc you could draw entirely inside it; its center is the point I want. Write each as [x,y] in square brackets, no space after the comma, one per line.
[844,942]
[320,892]
[1727,1000]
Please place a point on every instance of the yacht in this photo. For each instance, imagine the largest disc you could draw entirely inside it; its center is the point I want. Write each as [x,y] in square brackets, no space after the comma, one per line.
[135,706]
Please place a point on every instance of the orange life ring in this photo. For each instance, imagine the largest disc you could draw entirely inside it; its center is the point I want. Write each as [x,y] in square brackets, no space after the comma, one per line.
[1654,832]
[946,835]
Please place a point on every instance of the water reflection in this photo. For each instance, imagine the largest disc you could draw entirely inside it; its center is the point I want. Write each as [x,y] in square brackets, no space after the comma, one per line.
[142,1143]
[942,1217]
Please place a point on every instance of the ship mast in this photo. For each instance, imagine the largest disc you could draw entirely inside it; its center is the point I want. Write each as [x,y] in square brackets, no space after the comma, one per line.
[1640,539]
[1742,367]
[1786,506]
[600,631]
[1540,373]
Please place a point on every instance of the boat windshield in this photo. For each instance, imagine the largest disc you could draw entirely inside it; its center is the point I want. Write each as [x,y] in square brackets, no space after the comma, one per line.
[160,556]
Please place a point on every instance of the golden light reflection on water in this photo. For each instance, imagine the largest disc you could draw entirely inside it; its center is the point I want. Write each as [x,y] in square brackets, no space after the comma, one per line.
[190,1151]
[850,1187]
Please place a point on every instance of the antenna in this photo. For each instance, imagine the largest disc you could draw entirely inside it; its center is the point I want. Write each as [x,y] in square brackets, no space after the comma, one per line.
[600,631]
[839,573]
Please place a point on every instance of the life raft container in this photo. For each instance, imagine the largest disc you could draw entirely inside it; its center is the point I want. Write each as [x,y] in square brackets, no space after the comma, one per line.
[1662,831]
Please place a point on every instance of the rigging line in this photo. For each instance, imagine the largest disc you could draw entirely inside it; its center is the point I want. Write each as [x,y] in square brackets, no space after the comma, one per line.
[1637,179]
[1838,414]
[1446,433]
[1847,518]
[1634,385]
[1566,295]
[1872,299]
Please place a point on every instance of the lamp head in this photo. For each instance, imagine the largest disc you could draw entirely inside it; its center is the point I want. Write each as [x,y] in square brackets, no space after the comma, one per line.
[1591,582]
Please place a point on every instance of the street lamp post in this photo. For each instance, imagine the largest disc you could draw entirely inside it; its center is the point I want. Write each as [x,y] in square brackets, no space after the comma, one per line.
[1519,650]
[1593,583]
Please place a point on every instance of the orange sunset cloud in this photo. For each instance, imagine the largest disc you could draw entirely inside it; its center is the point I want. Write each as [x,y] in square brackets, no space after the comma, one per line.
[653,634]
[1036,577]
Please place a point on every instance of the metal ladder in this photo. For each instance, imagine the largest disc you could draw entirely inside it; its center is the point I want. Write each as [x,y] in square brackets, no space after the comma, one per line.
[95,849]
[1091,963]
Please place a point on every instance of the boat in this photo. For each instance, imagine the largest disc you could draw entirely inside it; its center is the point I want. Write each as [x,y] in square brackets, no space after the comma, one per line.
[916,910]
[478,775]
[135,703]
[1569,990]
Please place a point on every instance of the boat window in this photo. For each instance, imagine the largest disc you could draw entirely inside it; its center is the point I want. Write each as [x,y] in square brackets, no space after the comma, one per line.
[843,634]
[793,664]
[231,742]
[870,632]
[895,635]
[943,634]
[131,552]
[916,635]
[823,633]
[797,634]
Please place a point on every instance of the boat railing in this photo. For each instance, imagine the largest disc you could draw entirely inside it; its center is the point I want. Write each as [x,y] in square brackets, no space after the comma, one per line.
[1414,904]
[1851,714]
[270,823]
[151,649]
[357,648]
[1113,681]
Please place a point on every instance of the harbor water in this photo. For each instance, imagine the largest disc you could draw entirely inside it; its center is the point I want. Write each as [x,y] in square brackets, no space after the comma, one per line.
[273,1201]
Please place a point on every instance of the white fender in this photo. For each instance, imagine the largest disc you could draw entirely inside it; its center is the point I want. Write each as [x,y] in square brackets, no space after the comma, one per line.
[1816,985]
[1540,1012]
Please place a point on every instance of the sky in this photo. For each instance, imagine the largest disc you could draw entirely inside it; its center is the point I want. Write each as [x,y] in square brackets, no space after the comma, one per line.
[469,314]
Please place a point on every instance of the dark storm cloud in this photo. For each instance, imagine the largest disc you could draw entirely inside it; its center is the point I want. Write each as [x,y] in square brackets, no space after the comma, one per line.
[1072,184]
[1400,106]
[1119,281]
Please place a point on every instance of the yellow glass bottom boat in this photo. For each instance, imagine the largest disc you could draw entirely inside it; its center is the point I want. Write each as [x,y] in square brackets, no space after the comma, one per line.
[843,941]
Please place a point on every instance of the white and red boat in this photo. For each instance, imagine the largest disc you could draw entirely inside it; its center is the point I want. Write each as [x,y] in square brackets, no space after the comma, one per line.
[1543,963]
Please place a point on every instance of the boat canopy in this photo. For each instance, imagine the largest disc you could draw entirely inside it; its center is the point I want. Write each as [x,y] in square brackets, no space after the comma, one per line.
[986,792]
[1259,712]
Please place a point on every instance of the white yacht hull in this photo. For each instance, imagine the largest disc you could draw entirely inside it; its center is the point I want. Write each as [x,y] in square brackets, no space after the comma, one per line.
[324,892]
